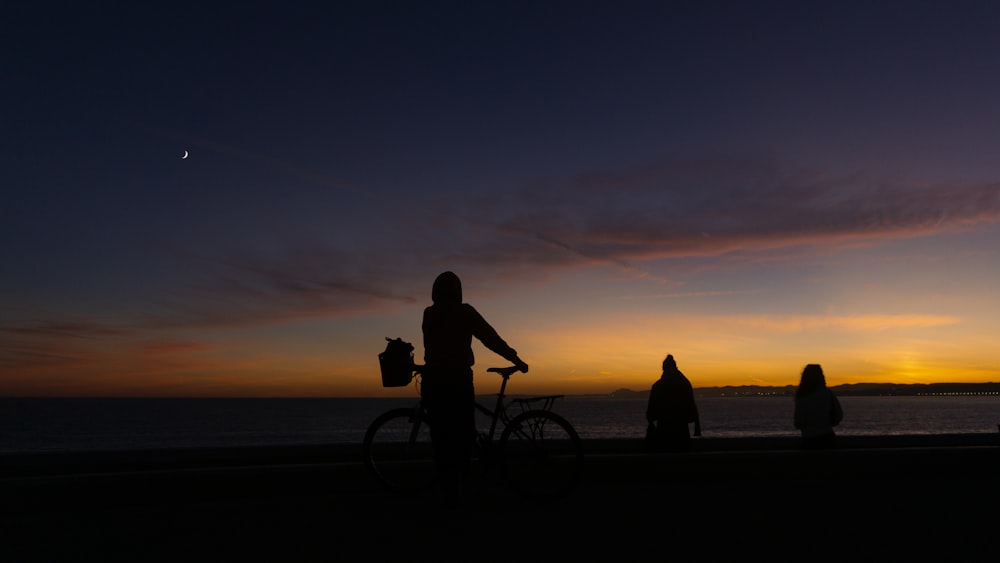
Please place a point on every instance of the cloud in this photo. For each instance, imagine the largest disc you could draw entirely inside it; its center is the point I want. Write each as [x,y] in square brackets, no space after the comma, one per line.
[158,348]
[78,351]
[291,282]
[683,208]
[862,323]
[673,208]
[370,256]
[62,329]
[19,355]
[693,294]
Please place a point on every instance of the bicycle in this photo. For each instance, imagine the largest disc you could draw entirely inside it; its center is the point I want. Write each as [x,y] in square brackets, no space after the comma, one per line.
[538,453]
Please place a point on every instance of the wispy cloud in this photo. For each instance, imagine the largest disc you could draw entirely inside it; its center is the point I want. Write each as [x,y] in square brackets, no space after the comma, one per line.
[744,208]
[16,355]
[674,208]
[692,294]
[713,207]
[62,329]
[248,289]
[169,347]
[862,323]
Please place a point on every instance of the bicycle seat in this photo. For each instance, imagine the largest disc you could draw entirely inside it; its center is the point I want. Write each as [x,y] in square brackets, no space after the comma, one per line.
[504,372]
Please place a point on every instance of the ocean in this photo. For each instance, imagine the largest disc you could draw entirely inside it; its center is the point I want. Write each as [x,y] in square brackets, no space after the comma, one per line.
[76,424]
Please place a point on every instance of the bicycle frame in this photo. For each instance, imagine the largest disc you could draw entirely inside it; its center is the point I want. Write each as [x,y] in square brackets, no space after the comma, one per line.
[533,450]
[499,416]
[499,412]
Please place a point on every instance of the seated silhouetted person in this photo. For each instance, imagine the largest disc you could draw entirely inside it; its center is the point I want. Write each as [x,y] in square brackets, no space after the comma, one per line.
[817,409]
[670,410]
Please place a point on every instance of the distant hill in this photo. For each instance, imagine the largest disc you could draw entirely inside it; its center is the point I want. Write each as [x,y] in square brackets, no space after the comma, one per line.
[846,390]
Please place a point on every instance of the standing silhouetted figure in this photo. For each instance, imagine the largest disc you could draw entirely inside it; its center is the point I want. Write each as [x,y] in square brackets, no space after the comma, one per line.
[817,409]
[446,386]
[670,409]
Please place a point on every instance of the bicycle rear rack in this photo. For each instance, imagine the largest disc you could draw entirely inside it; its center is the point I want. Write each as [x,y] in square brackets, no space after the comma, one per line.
[528,403]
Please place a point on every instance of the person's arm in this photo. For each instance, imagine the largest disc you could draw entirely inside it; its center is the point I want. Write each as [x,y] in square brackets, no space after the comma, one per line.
[486,334]
[836,412]
[697,417]
[653,405]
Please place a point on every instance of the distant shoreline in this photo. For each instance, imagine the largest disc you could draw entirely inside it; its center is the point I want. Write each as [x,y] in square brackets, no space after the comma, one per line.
[845,390]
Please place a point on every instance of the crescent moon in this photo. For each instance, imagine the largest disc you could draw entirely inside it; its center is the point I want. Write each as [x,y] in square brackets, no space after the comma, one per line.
[185,155]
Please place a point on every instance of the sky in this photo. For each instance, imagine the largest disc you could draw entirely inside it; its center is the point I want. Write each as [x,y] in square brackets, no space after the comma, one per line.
[748,186]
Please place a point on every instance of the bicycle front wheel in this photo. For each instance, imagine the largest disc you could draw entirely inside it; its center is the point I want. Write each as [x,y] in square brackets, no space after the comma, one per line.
[541,455]
[397,451]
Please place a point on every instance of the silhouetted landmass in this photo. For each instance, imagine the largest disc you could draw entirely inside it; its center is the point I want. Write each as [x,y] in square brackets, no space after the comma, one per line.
[846,390]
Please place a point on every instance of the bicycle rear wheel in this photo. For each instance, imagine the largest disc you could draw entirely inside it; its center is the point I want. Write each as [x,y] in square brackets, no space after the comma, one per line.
[541,455]
[397,451]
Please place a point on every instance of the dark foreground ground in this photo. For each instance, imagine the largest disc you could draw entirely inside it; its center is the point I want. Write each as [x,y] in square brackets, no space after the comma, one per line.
[930,498]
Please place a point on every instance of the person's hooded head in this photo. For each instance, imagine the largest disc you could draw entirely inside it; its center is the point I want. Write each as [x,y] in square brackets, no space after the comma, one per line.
[669,364]
[447,290]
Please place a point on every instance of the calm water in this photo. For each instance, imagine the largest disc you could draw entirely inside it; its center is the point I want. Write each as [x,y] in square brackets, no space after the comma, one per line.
[35,425]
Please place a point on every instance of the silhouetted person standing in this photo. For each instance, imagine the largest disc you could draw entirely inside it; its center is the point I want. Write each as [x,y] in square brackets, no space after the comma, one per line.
[817,409]
[446,384]
[671,409]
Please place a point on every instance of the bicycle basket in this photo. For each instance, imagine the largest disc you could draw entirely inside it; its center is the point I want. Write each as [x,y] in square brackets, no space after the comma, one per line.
[396,363]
